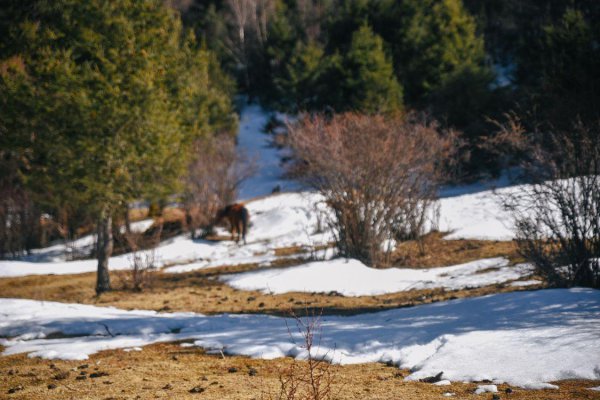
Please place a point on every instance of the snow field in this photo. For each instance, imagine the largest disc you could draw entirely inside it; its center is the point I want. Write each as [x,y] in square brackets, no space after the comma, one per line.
[288,219]
[254,142]
[526,339]
[283,220]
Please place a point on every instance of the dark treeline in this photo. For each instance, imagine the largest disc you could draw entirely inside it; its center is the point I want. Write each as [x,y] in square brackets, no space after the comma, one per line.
[465,63]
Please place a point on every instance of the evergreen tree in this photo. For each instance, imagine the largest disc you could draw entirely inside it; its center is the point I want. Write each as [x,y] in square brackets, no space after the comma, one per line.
[368,81]
[279,49]
[430,40]
[566,58]
[113,104]
[302,86]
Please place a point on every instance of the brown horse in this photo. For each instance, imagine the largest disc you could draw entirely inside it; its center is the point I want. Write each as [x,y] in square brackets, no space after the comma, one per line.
[238,218]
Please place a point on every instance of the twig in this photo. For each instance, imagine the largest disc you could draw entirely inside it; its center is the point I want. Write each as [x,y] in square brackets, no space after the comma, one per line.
[107,330]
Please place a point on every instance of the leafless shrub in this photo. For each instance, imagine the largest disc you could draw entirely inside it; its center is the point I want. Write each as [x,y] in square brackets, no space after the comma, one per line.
[313,379]
[511,144]
[213,179]
[143,262]
[557,218]
[379,175]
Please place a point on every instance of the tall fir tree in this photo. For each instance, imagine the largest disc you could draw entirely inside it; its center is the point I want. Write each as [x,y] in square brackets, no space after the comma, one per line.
[112,103]
[566,58]
[301,86]
[368,81]
[430,41]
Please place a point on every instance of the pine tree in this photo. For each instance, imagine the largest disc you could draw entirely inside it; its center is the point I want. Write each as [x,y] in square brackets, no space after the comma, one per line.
[301,87]
[566,59]
[430,40]
[113,105]
[369,84]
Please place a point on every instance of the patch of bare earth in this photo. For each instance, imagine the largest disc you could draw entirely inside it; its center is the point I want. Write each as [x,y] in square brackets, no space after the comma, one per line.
[433,251]
[171,371]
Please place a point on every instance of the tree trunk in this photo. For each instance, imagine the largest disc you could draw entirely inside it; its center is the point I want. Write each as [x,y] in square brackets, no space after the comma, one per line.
[127,220]
[105,249]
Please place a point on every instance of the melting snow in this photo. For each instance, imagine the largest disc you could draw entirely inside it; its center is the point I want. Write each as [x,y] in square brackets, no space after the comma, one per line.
[289,219]
[352,278]
[255,142]
[486,388]
[526,339]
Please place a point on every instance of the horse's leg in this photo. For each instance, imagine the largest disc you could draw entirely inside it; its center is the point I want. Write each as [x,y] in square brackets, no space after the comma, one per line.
[244,223]
[241,231]
[230,226]
[233,223]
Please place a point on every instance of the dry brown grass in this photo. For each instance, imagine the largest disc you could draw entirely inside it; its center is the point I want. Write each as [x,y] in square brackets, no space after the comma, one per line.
[168,213]
[171,371]
[440,252]
[200,291]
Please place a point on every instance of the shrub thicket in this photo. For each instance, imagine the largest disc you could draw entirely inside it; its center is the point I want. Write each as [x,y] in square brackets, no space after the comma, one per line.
[557,217]
[378,174]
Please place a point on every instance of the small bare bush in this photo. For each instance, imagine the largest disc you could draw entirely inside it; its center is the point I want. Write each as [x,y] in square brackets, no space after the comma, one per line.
[213,179]
[310,380]
[557,218]
[143,262]
[379,175]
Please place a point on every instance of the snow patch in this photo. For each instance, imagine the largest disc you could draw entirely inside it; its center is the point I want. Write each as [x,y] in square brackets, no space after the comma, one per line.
[284,220]
[486,389]
[352,278]
[529,282]
[526,339]
[256,144]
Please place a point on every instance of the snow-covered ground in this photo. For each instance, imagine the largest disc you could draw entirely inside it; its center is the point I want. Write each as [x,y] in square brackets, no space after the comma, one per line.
[284,220]
[476,216]
[281,220]
[352,278]
[81,246]
[255,143]
[287,219]
[523,338]
[298,219]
